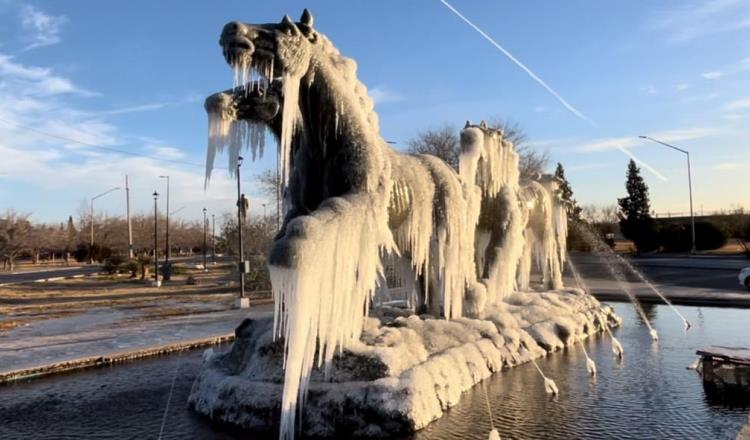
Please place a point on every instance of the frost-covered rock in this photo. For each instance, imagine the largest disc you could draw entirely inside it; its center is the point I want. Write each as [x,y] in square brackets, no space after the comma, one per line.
[398,377]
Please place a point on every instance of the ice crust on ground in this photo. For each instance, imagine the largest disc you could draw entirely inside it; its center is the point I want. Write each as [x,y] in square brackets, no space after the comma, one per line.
[403,373]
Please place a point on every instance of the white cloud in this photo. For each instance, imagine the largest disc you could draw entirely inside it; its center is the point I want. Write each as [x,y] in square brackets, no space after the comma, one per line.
[739,104]
[697,19]
[37,81]
[617,143]
[682,86]
[712,75]
[382,94]
[589,167]
[612,143]
[169,152]
[43,29]
[728,166]
[734,116]
[41,167]
[649,90]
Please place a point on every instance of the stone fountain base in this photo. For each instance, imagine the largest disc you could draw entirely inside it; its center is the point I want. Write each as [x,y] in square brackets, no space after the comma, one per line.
[405,372]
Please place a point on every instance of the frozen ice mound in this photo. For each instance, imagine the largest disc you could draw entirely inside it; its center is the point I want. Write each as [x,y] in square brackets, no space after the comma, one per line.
[402,374]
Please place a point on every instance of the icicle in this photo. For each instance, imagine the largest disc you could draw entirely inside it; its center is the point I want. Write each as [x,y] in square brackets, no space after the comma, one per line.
[289,121]
[654,335]
[319,308]
[224,131]
[549,385]
[590,365]
[617,348]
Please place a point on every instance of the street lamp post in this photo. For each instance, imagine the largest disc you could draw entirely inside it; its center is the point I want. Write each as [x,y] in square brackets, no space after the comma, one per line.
[157,283]
[205,232]
[168,248]
[690,186]
[91,221]
[213,238]
[242,302]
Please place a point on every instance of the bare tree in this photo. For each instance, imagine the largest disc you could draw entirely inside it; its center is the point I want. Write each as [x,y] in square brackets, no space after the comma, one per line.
[15,230]
[444,143]
[441,142]
[270,186]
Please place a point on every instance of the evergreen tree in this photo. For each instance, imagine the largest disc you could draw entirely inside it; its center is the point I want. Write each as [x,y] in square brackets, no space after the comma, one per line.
[71,235]
[635,218]
[566,194]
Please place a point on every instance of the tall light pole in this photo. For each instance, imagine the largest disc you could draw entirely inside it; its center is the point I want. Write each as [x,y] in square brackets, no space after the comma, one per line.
[242,302]
[205,232]
[130,224]
[213,238]
[690,186]
[169,249]
[91,220]
[264,211]
[157,283]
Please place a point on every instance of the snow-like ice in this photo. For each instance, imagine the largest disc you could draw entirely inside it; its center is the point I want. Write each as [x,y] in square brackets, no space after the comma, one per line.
[462,242]
[404,371]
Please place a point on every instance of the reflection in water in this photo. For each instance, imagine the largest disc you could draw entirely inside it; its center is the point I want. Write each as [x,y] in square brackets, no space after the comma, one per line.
[649,309]
[648,394]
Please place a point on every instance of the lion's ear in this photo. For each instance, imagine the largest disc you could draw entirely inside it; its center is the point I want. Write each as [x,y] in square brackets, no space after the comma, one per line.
[289,26]
[307,18]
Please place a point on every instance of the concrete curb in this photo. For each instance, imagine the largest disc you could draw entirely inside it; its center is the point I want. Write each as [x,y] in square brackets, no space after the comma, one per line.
[677,300]
[110,358]
[675,266]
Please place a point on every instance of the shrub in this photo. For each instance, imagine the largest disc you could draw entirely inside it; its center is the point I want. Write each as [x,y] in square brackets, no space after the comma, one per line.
[710,236]
[643,232]
[100,253]
[113,263]
[674,237]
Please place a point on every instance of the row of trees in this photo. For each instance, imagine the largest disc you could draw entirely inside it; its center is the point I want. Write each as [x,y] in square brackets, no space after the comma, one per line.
[633,219]
[637,223]
[19,237]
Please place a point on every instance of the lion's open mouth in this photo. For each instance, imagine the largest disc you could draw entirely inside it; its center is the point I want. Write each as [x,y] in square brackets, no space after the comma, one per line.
[252,62]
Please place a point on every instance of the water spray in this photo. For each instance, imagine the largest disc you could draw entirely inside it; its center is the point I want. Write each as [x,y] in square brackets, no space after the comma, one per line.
[581,284]
[653,288]
[494,435]
[611,258]
[549,385]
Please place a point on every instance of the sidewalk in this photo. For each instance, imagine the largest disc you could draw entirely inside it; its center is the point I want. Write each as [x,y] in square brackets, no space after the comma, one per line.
[104,336]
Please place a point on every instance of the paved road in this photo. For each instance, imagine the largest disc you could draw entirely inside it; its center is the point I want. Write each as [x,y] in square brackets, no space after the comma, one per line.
[684,280]
[33,275]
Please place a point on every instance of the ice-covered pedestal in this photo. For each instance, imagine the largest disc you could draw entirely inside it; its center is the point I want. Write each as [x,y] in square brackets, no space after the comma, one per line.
[405,372]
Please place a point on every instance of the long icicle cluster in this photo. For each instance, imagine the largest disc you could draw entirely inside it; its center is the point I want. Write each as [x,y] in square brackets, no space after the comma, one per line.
[321,307]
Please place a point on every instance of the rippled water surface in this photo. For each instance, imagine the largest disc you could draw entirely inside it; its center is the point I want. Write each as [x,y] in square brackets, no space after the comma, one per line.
[650,394]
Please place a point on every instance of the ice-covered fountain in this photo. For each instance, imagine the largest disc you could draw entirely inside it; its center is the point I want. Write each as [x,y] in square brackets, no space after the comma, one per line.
[333,361]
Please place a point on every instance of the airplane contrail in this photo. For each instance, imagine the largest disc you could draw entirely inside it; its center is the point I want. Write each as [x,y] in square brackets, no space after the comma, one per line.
[642,163]
[521,65]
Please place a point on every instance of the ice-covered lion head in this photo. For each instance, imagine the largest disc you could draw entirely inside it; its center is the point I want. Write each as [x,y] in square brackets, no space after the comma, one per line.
[269,50]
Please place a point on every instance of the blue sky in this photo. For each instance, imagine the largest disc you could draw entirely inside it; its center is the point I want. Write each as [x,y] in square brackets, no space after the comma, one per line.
[133,75]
